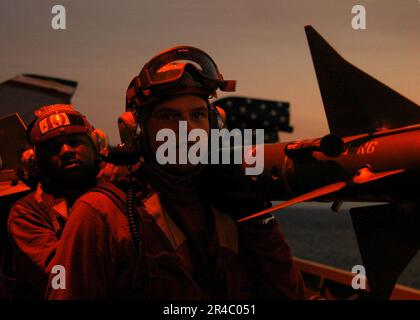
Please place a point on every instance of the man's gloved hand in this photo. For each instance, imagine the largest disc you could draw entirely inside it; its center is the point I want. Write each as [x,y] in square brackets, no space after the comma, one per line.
[227,190]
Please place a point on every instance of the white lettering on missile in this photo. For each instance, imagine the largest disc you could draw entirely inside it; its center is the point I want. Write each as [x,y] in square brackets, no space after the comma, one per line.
[364,149]
[367,147]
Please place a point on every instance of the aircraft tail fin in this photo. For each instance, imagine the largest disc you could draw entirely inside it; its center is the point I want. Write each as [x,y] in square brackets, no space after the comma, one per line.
[26,92]
[355,102]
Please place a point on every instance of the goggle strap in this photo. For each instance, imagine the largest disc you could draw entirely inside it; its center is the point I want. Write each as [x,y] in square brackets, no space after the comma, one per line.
[228,86]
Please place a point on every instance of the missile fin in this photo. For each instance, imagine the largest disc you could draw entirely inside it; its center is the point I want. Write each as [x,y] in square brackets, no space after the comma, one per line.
[355,102]
[305,197]
[364,175]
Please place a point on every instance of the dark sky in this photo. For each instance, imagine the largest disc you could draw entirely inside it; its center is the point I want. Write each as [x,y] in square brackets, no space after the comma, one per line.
[261,44]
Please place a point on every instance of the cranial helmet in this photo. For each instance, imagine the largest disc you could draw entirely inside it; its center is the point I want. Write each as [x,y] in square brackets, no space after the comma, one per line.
[62,119]
[177,71]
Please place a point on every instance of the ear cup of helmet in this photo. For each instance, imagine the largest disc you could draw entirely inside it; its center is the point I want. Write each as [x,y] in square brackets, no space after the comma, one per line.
[127,126]
[217,117]
[27,169]
[99,140]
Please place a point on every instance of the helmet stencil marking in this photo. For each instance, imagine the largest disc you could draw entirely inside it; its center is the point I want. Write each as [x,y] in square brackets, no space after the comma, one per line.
[54,121]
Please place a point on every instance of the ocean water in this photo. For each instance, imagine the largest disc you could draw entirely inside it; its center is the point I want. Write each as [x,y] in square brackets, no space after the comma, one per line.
[316,233]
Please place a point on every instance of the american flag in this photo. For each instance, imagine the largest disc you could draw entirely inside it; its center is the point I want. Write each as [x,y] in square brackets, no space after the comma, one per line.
[247,113]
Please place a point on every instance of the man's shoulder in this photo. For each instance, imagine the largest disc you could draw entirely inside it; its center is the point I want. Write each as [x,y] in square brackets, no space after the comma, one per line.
[24,205]
[27,200]
[97,209]
[26,211]
[104,198]
[110,172]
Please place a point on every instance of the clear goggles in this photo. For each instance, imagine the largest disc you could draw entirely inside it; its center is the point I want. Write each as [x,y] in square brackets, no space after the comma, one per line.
[158,70]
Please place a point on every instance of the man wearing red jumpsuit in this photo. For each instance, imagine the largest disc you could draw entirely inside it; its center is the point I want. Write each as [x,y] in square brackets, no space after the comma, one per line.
[158,234]
[64,157]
